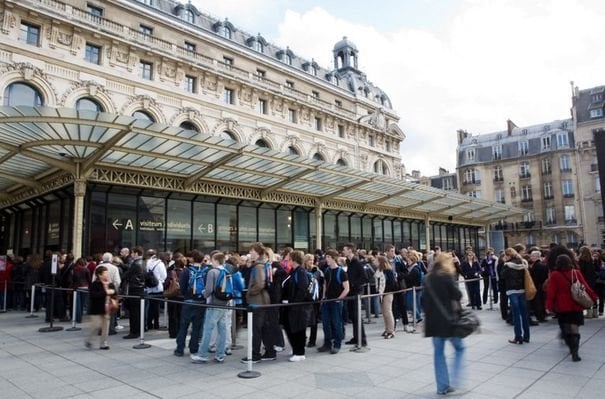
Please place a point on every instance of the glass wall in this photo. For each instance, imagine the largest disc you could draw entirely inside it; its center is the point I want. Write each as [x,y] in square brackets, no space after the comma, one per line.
[178,225]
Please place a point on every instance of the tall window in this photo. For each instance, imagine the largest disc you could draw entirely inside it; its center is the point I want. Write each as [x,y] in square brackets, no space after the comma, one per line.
[597,184]
[146,70]
[258,46]
[526,193]
[498,151]
[188,16]
[565,163]
[228,96]
[262,106]
[471,176]
[22,94]
[498,173]
[92,53]
[524,170]
[318,124]
[546,166]
[380,167]
[387,145]
[470,155]
[550,215]
[448,183]
[313,70]
[190,83]
[288,59]
[523,148]
[545,143]
[499,195]
[572,239]
[562,140]
[225,32]
[530,239]
[30,34]
[570,214]
[228,61]
[371,140]
[291,115]
[513,192]
[548,190]
[567,187]
[341,131]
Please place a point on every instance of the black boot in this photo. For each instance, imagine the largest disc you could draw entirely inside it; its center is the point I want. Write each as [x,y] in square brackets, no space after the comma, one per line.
[574,346]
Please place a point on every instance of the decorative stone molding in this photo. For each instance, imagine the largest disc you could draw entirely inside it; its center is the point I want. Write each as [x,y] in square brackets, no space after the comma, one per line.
[24,71]
[230,125]
[91,89]
[264,134]
[146,103]
[9,21]
[52,184]
[188,114]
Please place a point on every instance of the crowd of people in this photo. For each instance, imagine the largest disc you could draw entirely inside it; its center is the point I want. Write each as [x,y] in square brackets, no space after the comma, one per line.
[203,289]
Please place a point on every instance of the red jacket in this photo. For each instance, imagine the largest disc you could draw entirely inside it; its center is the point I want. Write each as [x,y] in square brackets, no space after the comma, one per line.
[558,293]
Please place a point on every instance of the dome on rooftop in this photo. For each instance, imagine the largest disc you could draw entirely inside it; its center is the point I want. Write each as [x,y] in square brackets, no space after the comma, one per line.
[345,42]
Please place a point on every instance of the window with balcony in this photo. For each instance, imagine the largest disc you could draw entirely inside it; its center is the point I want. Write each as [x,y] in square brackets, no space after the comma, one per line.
[526,194]
[497,151]
[523,148]
[190,84]
[524,170]
[570,214]
[572,239]
[191,47]
[146,30]
[546,166]
[94,10]
[545,143]
[471,176]
[529,217]
[228,62]
[291,115]
[565,163]
[146,70]
[261,74]
[549,215]
[530,239]
[289,84]
[498,176]
[29,34]
[562,140]
[499,196]
[229,96]
[567,188]
[548,190]
[513,192]
[262,106]
[92,53]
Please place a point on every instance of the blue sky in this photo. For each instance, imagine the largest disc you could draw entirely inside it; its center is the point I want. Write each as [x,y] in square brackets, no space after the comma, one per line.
[446,64]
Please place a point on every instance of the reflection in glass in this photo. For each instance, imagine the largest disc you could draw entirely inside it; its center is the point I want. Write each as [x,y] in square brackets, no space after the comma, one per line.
[204,228]
[262,143]
[397,232]
[88,104]
[284,228]
[366,226]
[178,225]
[246,227]
[143,115]
[301,230]
[343,229]
[151,223]
[22,94]
[189,126]
[329,230]
[98,225]
[227,135]
[121,220]
[226,227]
[388,231]
[266,226]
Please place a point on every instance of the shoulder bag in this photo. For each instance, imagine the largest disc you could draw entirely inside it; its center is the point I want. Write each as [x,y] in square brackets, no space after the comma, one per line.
[578,291]
[463,322]
[528,285]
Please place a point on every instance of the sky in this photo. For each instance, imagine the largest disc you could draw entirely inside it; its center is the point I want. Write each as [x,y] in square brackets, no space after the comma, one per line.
[445,64]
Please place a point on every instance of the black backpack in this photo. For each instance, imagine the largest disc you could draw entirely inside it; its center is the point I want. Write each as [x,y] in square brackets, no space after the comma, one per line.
[150,279]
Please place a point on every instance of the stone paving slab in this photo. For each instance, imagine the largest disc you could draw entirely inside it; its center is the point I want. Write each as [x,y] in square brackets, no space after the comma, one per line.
[56,365]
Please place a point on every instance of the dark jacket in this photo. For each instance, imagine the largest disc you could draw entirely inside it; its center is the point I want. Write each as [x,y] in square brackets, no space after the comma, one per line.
[539,274]
[439,286]
[135,277]
[412,277]
[97,297]
[357,276]
[514,276]
[295,288]
[589,272]
[470,270]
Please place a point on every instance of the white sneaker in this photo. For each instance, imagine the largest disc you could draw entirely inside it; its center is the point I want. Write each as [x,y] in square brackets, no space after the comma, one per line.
[297,358]
[119,327]
[198,359]
[278,348]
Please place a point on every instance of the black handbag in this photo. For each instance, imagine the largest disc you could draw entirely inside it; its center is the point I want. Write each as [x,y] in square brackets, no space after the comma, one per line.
[462,322]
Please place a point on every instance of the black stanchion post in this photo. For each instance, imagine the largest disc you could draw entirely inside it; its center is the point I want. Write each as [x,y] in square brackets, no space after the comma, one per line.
[142,344]
[74,302]
[491,293]
[165,326]
[359,348]
[414,304]
[51,328]
[31,305]
[249,373]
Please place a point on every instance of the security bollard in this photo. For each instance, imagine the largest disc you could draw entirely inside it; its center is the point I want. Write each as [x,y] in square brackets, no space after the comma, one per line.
[142,344]
[249,373]
[74,308]
[31,306]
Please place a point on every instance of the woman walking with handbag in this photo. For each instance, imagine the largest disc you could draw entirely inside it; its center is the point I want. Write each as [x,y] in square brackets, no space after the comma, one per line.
[441,303]
[559,298]
[103,301]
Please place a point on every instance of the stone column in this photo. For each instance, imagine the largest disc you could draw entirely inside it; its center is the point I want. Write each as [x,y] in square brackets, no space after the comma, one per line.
[488,241]
[427,232]
[318,224]
[78,230]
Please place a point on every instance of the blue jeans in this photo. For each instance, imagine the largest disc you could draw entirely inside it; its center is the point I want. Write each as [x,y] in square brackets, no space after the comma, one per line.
[518,306]
[193,315]
[442,376]
[331,319]
[214,318]
[82,298]
[409,301]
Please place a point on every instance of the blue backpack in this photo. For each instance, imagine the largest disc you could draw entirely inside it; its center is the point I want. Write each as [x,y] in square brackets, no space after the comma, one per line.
[197,280]
[312,291]
[268,276]
[224,285]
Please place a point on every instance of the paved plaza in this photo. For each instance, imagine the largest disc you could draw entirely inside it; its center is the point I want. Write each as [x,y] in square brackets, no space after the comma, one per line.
[56,365]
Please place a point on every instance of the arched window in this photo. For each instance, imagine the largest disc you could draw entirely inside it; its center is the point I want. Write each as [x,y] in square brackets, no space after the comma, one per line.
[189,126]
[143,115]
[227,135]
[88,104]
[258,46]
[225,32]
[262,143]
[341,162]
[288,59]
[293,151]
[313,70]
[318,157]
[380,167]
[22,94]
[188,16]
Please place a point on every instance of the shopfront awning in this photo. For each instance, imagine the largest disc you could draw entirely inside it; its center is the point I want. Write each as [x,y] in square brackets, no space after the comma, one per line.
[40,144]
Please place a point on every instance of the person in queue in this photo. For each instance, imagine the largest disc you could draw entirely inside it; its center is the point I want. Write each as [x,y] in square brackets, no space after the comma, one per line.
[296,318]
[514,280]
[135,286]
[336,286]
[100,292]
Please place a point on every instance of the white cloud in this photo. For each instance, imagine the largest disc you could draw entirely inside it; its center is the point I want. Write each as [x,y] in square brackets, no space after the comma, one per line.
[493,60]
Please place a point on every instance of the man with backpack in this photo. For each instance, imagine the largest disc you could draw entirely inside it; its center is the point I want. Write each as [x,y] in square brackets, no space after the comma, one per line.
[336,286]
[357,280]
[192,285]
[218,291]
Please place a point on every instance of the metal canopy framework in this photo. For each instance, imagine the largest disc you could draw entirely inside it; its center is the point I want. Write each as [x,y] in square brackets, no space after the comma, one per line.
[39,144]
